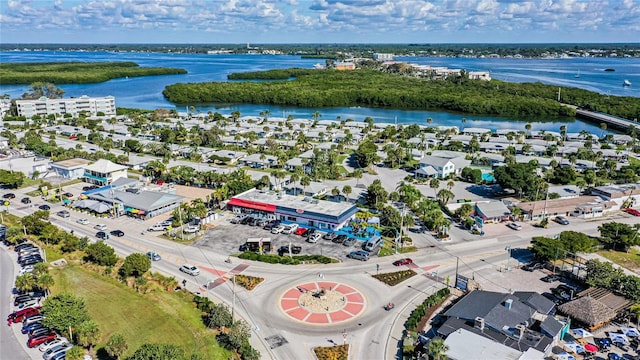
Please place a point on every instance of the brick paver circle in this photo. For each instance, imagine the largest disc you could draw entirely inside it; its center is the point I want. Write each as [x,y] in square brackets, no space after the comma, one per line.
[322,303]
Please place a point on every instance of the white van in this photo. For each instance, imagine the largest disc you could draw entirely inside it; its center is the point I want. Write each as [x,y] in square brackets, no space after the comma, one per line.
[289,229]
[373,243]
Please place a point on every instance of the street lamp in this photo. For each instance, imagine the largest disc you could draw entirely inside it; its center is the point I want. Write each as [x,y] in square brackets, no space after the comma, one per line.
[399,237]
[508,249]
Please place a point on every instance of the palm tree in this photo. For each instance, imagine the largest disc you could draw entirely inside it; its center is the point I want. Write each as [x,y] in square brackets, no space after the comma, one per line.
[25,282]
[434,184]
[45,282]
[305,181]
[450,184]
[357,173]
[316,115]
[335,192]
[445,195]
[347,190]
[294,179]
[437,349]
[603,127]
[528,128]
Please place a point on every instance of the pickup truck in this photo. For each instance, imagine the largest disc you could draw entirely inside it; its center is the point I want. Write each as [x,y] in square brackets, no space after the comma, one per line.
[284,249]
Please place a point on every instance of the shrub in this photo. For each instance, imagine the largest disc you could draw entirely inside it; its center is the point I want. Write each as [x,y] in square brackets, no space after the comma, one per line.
[419,312]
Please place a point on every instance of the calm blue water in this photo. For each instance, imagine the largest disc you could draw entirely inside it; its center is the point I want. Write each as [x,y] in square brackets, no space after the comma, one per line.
[146,92]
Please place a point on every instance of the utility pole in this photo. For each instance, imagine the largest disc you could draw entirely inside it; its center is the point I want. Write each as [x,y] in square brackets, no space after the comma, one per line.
[233,302]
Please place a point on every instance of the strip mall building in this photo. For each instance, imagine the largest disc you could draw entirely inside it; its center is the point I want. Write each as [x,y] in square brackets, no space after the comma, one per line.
[306,211]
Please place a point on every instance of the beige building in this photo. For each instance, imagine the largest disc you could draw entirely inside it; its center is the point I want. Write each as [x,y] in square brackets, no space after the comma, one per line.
[74,106]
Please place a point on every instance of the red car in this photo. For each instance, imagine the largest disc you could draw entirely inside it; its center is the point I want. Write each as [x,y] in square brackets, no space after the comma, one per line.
[301,231]
[19,315]
[633,212]
[405,261]
[38,340]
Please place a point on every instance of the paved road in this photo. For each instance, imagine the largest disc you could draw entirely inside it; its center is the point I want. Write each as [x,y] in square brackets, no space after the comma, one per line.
[10,347]
[374,333]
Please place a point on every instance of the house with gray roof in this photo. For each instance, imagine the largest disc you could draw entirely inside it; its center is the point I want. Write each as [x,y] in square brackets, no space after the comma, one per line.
[144,204]
[227,156]
[475,131]
[259,161]
[492,211]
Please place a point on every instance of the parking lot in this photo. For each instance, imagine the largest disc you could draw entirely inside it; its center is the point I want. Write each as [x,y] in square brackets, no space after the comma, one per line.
[227,238]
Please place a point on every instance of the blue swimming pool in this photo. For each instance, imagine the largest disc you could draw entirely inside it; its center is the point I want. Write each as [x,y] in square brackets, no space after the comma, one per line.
[488,177]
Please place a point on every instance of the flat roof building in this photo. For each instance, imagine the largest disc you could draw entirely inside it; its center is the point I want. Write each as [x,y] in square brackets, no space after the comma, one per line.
[70,168]
[74,106]
[320,214]
[144,205]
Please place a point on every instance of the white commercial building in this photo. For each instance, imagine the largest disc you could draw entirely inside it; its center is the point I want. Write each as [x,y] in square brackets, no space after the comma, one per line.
[74,106]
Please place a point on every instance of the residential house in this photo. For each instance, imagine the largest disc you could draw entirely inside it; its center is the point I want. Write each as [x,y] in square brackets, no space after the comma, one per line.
[259,161]
[297,163]
[103,172]
[227,156]
[581,206]
[313,189]
[442,167]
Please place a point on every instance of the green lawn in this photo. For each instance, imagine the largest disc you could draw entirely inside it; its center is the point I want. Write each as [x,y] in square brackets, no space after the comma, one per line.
[160,317]
[630,260]
[633,161]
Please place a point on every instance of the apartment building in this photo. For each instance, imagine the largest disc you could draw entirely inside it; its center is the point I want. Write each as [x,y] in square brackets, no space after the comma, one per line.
[74,106]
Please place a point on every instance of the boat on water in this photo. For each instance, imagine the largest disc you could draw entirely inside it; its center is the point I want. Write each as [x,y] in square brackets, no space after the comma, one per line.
[626,83]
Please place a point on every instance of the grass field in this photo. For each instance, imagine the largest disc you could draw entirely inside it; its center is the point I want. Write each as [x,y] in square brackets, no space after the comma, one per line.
[630,260]
[160,317]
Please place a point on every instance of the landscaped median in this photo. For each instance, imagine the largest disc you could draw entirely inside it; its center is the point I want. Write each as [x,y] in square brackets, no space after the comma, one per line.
[337,352]
[419,317]
[287,260]
[394,278]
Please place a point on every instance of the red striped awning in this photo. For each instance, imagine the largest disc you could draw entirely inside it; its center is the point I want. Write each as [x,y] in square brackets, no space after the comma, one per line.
[252,205]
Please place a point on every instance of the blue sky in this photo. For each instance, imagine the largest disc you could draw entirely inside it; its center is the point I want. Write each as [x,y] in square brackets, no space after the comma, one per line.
[319,21]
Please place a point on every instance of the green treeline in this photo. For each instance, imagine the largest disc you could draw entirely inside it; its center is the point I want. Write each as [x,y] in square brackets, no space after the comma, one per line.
[75,72]
[317,88]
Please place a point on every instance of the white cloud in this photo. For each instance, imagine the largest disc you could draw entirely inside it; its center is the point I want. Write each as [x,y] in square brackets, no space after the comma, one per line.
[365,18]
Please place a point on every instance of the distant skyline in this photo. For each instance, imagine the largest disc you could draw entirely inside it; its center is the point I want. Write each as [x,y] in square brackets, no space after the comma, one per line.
[319,21]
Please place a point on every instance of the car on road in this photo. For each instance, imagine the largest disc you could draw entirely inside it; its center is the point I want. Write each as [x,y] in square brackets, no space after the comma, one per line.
[533,266]
[44,207]
[63,214]
[37,340]
[9,196]
[405,261]
[25,200]
[514,226]
[631,211]
[153,256]
[101,227]
[561,220]
[83,221]
[101,235]
[349,241]
[314,238]
[551,278]
[359,255]
[277,230]
[118,233]
[67,194]
[190,269]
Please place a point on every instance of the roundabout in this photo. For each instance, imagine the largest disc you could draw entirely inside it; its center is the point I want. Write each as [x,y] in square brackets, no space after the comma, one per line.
[322,303]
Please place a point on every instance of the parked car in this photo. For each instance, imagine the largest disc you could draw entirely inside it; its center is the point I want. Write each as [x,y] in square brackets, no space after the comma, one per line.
[9,196]
[32,319]
[245,220]
[67,194]
[101,235]
[561,220]
[44,207]
[25,200]
[37,340]
[405,261]
[19,315]
[277,230]
[238,219]
[261,222]
[284,249]
[22,299]
[47,345]
[83,221]
[153,256]
[330,235]
[514,226]
[39,331]
[340,239]
[49,354]
[101,227]
[631,211]
[32,326]
[359,255]
[63,214]
[533,266]
[551,278]
[191,229]
[90,187]
[190,269]
[290,228]
[349,241]
[28,304]
[32,260]
[22,246]
[314,238]
[309,232]
[300,231]
[118,233]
